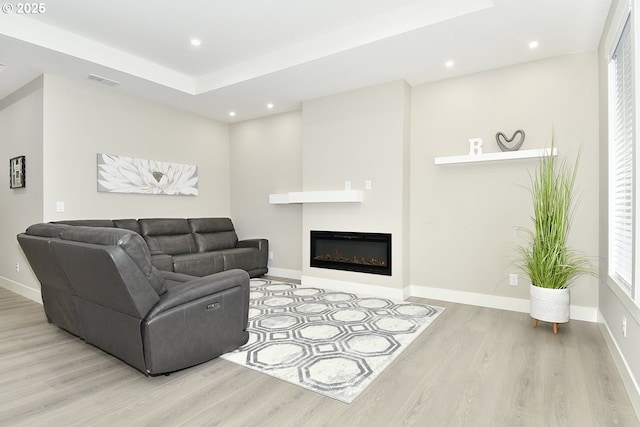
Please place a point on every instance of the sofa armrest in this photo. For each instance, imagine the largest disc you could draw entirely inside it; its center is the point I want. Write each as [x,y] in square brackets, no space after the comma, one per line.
[261,244]
[171,276]
[181,293]
[197,320]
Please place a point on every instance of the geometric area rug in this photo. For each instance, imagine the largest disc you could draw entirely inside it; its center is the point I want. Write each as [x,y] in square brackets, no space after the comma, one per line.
[334,343]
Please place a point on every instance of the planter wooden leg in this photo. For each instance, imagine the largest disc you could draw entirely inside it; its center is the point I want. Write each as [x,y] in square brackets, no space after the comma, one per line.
[556,326]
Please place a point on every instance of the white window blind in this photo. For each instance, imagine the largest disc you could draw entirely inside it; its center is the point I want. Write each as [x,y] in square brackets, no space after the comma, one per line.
[621,162]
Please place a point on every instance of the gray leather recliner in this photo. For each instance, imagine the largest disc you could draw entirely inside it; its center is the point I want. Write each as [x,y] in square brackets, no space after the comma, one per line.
[98,283]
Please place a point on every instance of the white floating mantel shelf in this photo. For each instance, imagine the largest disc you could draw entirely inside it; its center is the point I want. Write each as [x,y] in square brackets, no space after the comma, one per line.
[341,196]
[492,157]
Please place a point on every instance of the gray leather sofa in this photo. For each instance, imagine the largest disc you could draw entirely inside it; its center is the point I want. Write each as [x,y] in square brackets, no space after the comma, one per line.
[194,246]
[99,284]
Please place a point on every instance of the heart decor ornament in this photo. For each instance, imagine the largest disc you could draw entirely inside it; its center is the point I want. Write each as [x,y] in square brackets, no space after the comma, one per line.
[508,144]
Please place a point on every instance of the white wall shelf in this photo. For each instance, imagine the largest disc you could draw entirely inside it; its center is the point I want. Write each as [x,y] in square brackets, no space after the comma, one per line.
[342,196]
[492,157]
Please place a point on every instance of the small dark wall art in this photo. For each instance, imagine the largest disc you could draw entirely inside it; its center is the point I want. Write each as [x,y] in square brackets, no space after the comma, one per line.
[510,144]
[17,178]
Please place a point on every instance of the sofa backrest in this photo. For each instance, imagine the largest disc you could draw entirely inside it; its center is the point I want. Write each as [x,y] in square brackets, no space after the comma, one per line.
[168,235]
[35,245]
[212,234]
[127,224]
[58,296]
[109,267]
[87,222]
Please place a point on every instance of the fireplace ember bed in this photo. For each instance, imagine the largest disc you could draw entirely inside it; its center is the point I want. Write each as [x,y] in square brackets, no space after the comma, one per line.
[351,251]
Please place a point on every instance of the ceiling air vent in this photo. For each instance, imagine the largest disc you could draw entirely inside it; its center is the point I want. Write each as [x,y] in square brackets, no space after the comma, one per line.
[103,80]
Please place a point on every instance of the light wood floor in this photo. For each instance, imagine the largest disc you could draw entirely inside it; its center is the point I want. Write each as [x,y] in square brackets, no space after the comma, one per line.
[472,367]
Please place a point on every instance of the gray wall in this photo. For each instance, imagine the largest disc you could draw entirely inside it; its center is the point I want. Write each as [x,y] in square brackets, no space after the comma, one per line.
[464,217]
[614,305]
[83,118]
[357,136]
[20,135]
[61,125]
[389,134]
[266,157]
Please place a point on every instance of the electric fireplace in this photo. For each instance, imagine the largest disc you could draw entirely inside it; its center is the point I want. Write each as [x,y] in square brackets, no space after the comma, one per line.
[351,251]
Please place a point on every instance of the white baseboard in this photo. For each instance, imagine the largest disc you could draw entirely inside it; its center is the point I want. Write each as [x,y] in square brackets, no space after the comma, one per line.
[20,289]
[577,312]
[580,312]
[630,383]
[356,288]
[284,273]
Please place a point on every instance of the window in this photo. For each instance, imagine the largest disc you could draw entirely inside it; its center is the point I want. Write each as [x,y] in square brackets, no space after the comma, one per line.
[621,163]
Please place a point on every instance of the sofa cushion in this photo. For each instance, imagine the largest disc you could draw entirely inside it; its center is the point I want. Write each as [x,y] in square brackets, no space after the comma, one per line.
[170,236]
[162,261]
[163,226]
[128,240]
[199,264]
[210,225]
[213,234]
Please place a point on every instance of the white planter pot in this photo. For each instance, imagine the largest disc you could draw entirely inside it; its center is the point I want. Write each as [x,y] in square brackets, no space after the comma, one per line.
[550,305]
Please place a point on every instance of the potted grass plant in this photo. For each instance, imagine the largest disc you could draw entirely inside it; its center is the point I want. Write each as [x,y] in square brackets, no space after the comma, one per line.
[547,258]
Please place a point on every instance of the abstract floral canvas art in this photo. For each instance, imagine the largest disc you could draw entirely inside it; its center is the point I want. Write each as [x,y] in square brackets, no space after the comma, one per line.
[120,174]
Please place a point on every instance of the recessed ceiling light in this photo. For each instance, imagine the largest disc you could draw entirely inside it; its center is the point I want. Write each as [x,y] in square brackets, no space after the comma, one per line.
[448,64]
[232,113]
[196,42]
[270,106]
[533,44]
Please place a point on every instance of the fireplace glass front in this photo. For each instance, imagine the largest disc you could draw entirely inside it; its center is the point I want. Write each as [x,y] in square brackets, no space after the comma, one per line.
[352,251]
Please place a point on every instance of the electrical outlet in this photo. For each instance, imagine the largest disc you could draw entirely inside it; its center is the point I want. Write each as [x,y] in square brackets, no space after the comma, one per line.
[270,254]
[18,267]
[513,279]
[624,326]
[367,185]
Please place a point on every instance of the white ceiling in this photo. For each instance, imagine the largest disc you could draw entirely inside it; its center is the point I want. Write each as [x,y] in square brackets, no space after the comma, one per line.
[255,52]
